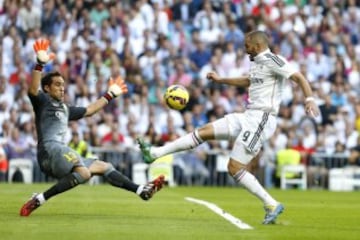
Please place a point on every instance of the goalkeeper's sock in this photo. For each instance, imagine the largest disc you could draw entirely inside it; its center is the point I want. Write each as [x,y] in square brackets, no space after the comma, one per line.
[68,182]
[40,197]
[250,182]
[117,179]
[189,141]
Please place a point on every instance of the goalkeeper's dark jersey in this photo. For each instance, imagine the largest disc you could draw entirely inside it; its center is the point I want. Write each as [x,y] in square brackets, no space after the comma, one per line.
[52,117]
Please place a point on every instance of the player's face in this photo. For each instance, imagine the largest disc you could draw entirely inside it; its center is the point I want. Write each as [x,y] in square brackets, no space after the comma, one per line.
[250,48]
[57,88]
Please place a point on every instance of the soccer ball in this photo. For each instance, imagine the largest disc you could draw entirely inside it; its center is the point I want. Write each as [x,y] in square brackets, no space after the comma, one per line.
[176,97]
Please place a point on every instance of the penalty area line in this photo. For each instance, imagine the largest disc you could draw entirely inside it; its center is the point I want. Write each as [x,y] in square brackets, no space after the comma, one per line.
[213,207]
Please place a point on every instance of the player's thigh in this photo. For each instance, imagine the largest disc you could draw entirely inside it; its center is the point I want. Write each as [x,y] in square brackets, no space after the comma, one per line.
[63,160]
[228,127]
[256,127]
[96,166]
[240,154]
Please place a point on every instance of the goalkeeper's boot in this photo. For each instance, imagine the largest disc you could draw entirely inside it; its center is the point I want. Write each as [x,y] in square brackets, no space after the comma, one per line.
[272,212]
[152,187]
[30,206]
[145,149]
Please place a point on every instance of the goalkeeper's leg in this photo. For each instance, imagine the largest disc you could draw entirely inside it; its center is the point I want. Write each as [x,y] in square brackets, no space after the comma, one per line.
[66,183]
[117,179]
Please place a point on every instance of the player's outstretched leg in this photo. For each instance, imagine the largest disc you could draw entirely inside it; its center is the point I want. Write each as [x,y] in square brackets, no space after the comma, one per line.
[30,206]
[145,149]
[66,183]
[272,212]
[152,187]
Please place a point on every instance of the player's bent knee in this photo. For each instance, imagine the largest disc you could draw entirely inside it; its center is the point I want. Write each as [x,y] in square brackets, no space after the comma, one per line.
[235,166]
[82,175]
[107,166]
[100,167]
[206,132]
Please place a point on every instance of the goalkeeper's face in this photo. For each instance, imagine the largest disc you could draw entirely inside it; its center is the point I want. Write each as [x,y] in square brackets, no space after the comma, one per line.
[56,89]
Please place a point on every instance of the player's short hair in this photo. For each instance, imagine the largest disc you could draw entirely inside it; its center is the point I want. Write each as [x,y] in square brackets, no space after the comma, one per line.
[48,78]
[259,37]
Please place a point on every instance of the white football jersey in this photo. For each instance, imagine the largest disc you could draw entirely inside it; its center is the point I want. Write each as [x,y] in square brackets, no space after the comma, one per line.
[268,73]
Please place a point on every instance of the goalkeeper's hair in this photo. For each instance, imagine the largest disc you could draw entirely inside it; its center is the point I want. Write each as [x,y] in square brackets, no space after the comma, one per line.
[48,78]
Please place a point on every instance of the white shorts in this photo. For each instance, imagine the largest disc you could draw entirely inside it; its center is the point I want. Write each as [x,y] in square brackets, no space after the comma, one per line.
[247,130]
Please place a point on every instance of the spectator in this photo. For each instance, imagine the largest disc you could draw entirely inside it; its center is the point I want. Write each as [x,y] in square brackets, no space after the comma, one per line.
[354,158]
[99,12]
[180,76]
[200,56]
[79,145]
[192,165]
[284,157]
[199,117]
[18,146]
[30,15]
[161,20]
[229,57]
[179,36]
[212,65]
[48,17]
[184,10]
[241,67]
[113,137]
[95,40]
[357,121]
[3,164]
[328,111]
[7,95]
[268,163]
[234,35]
[76,61]
[338,97]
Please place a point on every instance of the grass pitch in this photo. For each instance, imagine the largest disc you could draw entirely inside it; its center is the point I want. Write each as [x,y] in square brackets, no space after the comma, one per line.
[104,212]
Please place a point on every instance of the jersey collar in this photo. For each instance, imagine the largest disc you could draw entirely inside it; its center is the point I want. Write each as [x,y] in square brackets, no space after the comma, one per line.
[261,56]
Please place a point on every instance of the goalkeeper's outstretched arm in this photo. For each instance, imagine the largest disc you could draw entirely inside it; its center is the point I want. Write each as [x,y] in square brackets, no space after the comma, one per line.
[117,87]
[41,47]
[35,82]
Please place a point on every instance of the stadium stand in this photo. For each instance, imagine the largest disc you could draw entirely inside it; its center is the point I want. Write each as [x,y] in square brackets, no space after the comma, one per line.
[153,43]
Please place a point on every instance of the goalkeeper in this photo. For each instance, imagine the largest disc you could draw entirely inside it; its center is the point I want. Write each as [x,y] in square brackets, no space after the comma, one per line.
[55,158]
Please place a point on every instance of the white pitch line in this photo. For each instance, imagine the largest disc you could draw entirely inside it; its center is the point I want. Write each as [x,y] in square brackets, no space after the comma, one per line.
[237,222]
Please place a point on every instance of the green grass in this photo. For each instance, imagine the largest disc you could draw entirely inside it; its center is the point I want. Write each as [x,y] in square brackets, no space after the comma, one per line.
[104,212]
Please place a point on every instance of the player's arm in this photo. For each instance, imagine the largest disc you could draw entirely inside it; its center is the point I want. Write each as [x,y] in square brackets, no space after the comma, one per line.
[281,66]
[310,105]
[117,87]
[94,107]
[42,57]
[35,82]
[238,82]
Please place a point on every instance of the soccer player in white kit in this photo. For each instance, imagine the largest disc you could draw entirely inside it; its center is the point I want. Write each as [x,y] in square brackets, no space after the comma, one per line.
[248,130]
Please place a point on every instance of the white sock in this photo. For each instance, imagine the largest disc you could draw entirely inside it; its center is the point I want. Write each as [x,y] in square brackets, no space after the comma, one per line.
[41,198]
[249,181]
[186,142]
[139,189]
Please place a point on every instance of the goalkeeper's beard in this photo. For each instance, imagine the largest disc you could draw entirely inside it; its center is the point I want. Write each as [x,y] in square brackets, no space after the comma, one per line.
[58,96]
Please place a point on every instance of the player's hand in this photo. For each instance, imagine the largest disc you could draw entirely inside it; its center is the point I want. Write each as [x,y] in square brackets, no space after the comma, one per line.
[117,87]
[41,49]
[312,109]
[213,76]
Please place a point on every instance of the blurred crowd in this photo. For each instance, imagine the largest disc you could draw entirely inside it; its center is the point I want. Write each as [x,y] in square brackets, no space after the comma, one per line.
[155,43]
